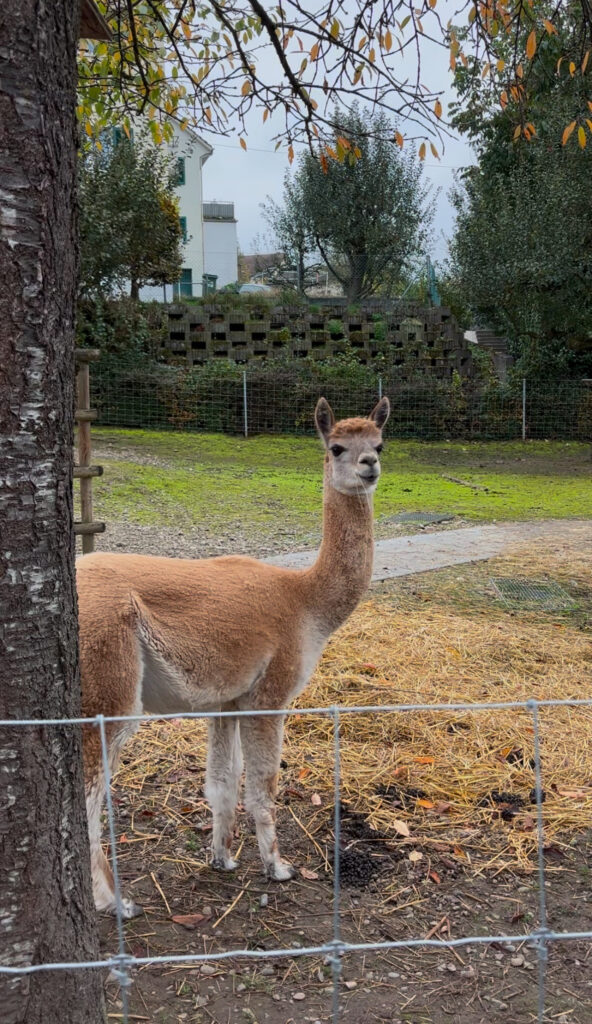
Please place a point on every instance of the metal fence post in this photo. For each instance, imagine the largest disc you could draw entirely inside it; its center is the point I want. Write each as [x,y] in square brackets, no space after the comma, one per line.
[524,408]
[245,413]
[379,388]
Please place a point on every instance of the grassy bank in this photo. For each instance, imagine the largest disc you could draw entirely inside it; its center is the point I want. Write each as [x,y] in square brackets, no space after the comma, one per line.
[179,479]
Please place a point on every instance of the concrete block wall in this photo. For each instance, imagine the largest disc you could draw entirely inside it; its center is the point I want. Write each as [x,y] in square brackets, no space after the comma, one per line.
[417,341]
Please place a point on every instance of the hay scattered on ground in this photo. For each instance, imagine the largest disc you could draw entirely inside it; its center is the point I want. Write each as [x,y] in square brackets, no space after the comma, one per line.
[455,783]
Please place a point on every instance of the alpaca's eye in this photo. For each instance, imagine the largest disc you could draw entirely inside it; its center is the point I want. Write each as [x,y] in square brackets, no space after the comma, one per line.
[336,449]
[379,448]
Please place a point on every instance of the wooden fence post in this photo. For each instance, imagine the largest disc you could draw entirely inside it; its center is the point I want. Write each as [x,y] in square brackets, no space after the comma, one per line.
[84,471]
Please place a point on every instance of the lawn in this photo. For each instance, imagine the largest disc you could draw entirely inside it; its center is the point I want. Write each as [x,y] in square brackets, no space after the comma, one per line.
[176,479]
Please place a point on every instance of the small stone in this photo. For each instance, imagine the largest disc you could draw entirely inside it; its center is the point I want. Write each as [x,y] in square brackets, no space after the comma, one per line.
[517,961]
[351,984]
[451,968]
[267,972]
[393,974]
[241,987]
[298,996]
[263,900]
[208,969]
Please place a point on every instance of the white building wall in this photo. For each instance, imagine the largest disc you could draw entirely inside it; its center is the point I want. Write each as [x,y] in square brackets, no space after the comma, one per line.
[194,151]
[221,250]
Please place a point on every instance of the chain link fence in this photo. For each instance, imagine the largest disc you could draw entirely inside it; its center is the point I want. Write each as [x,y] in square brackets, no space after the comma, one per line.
[262,401]
[123,963]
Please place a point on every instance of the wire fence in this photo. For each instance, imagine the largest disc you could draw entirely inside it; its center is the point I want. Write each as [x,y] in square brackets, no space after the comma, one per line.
[260,401]
[122,963]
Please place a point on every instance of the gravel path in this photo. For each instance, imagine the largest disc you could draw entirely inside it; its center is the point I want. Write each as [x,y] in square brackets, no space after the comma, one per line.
[401,555]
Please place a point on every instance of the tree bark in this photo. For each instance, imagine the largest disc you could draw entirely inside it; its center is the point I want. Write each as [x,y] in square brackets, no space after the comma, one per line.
[46,912]
[134,289]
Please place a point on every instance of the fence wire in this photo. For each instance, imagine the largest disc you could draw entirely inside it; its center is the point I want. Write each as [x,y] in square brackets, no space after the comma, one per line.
[123,963]
[260,401]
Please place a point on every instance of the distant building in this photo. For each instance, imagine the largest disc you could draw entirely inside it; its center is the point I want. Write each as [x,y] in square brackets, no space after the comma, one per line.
[191,153]
[220,243]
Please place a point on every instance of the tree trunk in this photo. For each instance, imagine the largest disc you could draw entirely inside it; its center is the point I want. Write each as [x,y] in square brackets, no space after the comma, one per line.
[46,910]
[301,272]
[355,284]
[134,289]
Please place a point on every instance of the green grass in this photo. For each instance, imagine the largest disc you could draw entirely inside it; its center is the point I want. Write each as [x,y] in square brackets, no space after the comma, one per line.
[215,480]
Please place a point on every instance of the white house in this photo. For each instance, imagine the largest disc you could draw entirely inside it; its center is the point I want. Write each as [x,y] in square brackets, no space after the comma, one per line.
[220,242]
[209,229]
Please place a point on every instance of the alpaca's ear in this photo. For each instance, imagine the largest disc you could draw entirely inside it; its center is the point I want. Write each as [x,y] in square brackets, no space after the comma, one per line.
[381,413]
[324,419]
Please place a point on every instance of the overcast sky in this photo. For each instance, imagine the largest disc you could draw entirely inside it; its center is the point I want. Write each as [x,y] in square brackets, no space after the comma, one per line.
[246,178]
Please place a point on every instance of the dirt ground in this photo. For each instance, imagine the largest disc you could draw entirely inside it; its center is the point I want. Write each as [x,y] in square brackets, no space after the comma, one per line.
[452,889]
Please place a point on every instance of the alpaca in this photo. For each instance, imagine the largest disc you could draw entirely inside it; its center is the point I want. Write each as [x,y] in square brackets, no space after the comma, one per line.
[168,635]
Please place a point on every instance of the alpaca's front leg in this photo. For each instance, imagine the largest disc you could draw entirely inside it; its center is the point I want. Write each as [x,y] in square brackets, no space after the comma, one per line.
[262,747]
[223,775]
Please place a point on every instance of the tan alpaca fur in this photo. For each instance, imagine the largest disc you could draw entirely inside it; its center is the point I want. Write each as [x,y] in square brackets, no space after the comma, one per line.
[167,635]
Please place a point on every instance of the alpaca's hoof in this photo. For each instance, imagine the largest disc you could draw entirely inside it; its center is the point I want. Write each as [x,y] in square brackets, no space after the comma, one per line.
[224,863]
[280,871]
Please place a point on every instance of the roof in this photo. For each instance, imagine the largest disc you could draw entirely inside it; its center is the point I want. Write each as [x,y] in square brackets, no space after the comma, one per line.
[92,22]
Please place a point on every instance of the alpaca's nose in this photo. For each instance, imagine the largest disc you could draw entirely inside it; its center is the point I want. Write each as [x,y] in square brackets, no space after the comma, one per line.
[369,460]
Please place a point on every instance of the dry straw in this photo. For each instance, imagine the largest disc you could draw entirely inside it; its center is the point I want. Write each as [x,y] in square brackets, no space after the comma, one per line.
[454,783]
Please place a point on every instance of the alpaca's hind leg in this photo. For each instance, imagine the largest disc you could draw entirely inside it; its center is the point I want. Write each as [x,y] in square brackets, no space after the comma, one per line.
[262,747]
[102,876]
[223,775]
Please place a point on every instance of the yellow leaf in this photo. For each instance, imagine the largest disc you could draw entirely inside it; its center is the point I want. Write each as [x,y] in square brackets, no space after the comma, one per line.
[550,27]
[400,140]
[335,28]
[372,55]
[388,39]
[246,88]
[243,143]
[582,136]
[88,129]
[590,104]
[500,65]
[589,123]
[519,71]
[314,51]
[567,132]
[422,151]
[486,70]
[504,100]
[324,164]
[452,61]
[265,115]
[572,68]
[290,153]
[585,61]
[434,151]
[433,3]
[186,30]
[126,130]
[357,152]
[438,109]
[531,45]
[517,131]
[208,114]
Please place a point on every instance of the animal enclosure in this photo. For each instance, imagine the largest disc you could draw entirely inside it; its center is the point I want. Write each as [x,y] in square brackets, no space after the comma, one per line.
[440,806]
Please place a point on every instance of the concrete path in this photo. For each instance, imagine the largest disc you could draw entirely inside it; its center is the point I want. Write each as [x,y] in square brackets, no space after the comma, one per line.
[421,552]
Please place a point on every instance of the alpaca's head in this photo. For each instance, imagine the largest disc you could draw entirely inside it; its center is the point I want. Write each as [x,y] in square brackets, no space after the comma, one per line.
[353,447]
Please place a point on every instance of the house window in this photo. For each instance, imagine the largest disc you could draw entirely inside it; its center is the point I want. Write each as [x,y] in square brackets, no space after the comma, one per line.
[183,223]
[184,287]
[180,170]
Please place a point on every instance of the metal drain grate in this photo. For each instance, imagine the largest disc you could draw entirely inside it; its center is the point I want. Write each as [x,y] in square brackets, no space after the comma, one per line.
[537,593]
[421,517]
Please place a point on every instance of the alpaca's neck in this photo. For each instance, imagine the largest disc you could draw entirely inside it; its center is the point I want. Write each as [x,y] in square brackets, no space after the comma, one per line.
[343,569]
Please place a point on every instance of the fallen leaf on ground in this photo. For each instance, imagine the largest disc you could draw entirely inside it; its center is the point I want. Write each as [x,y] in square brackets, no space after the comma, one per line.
[424,760]
[190,921]
[435,877]
[415,856]
[312,876]
[315,800]
[425,803]
[401,827]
